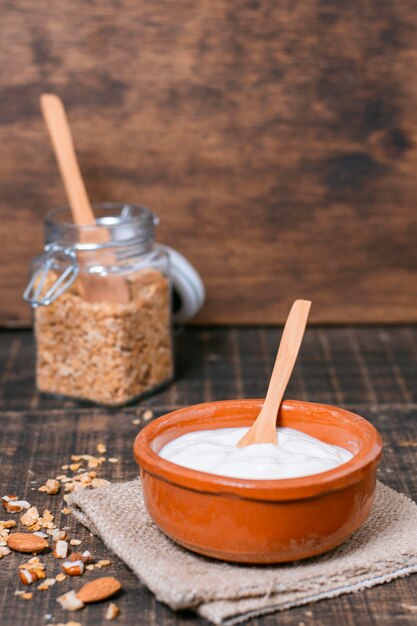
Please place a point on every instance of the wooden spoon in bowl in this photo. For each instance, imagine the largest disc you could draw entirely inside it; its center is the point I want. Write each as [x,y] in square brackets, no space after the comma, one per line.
[93,288]
[263,430]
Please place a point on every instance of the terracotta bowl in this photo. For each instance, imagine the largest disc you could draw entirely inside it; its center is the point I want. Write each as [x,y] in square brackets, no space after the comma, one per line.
[260,521]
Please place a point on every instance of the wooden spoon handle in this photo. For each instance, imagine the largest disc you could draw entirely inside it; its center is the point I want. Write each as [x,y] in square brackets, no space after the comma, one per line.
[288,350]
[264,428]
[60,134]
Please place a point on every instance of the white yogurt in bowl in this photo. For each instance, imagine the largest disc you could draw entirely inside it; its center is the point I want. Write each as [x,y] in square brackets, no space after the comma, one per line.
[215,452]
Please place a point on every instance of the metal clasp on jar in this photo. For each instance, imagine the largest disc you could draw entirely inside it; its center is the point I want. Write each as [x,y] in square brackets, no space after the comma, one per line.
[63,261]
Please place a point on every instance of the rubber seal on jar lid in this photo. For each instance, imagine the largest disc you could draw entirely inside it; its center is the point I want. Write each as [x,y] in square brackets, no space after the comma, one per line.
[189,292]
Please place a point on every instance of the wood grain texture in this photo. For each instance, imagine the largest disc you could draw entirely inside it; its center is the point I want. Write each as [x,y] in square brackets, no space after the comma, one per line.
[342,366]
[370,371]
[276,142]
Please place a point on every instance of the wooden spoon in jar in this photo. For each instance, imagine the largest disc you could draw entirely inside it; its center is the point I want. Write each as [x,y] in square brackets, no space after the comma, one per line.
[93,288]
[263,430]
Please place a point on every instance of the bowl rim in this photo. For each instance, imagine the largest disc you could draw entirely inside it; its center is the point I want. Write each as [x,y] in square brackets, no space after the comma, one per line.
[254,489]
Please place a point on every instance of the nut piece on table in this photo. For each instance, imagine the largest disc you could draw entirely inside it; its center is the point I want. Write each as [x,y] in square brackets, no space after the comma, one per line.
[30,517]
[15,506]
[26,542]
[85,557]
[70,602]
[99,589]
[10,523]
[27,577]
[33,566]
[47,584]
[73,568]
[112,611]
[51,487]
[57,534]
[61,549]
[4,551]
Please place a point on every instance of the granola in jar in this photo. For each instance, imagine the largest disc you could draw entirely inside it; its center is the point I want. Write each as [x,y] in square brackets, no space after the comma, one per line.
[108,351]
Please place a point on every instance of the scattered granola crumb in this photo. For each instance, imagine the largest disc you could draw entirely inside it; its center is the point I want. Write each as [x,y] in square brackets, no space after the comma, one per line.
[113,459]
[31,571]
[112,611]
[27,595]
[51,487]
[10,523]
[148,415]
[47,583]
[99,482]
[103,563]
[27,577]
[75,542]
[57,534]
[71,623]
[74,568]
[61,549]
[12,505]
[101,448]
[70,602]
[66,510]
[4,551]
[60,577]
[136,421]
[30,517]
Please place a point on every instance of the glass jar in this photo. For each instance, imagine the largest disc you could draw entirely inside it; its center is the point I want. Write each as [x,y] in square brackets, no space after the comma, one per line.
[102,304]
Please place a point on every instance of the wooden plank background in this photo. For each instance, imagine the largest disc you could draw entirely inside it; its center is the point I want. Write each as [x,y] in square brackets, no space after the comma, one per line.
[277,142]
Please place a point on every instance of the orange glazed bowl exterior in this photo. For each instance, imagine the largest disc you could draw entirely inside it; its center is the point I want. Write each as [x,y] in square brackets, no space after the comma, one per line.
[260,521]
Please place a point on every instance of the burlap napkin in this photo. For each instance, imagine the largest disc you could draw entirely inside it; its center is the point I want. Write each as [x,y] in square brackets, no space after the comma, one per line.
[383,549]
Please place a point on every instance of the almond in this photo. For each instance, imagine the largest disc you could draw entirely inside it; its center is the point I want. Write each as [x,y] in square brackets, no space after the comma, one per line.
[99,589]
[26,542]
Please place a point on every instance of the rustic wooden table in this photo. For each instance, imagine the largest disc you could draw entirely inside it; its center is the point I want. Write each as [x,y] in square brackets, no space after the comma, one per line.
[369,370]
